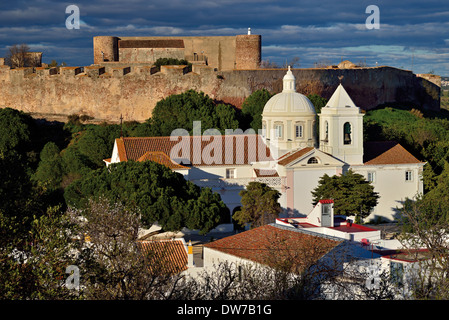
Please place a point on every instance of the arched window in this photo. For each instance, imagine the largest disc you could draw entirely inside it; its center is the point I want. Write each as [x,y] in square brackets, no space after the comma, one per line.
[347,135]
[312,160]
[278,128]
[326,131]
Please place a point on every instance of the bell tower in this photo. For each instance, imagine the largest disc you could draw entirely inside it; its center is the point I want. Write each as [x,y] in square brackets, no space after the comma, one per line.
[341,128]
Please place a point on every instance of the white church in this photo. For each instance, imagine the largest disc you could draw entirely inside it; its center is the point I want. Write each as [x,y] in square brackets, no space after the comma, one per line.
[286,155]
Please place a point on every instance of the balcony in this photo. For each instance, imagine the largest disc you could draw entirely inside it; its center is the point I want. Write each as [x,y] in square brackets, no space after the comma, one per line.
[239,183]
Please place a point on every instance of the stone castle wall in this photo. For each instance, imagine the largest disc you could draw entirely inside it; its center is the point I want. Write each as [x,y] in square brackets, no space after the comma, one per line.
[218,52]
[105,92]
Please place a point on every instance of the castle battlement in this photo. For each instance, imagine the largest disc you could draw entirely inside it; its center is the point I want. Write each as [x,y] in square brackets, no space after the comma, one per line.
[101,71]
[106,91]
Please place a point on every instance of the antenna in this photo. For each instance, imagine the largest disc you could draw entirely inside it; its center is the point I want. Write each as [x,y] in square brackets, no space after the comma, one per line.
[121,126]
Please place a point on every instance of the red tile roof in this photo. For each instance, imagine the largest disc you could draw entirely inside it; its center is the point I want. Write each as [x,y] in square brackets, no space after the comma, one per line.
[266,173]
[235,149]
[289,157]
[386,152]
[168,256]
[272,245]
[156,43]
[161,158]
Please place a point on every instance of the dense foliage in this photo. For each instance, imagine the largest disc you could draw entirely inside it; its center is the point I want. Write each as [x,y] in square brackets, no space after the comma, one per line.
[352,194]
[252,109]
[159,194]
[260,205]
[181,110]
[173,62]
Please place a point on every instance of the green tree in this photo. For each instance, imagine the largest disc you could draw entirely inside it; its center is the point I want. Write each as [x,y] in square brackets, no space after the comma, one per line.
[160,194]
[259,205]
[172,61]
[50,169]
[352,194]
[318,102]
[96,141]
[180,110]
[252,109]
[16,131]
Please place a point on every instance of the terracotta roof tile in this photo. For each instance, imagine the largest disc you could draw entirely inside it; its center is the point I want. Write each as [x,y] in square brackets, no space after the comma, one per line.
[288,158]
[266,173]
[171,255]
[157,43]
[161,158]
[235,149]
[386,152]
[271,245]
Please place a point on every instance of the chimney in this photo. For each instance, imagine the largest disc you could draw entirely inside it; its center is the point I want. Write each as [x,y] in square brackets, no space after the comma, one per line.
[190,263]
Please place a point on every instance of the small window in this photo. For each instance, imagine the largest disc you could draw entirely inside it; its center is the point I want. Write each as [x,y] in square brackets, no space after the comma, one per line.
[298,131]
[278,130]
[230,173]
[408,175]
[371,176]
[312,160]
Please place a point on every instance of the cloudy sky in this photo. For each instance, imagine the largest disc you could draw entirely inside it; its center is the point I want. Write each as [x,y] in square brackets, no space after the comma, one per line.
[412,34]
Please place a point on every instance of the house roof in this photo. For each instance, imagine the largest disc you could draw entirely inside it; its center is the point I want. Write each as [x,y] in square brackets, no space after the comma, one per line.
[197,150]
[161,158]
[156,43]
[168,256]
[386,152]
[292,156]
[266,173]
[272,245]
[405,255]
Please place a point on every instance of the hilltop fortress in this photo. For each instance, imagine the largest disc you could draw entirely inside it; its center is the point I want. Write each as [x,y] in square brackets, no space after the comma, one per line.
[123,81]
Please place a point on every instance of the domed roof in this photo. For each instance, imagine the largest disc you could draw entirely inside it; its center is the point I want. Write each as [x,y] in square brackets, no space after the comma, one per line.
[289,102]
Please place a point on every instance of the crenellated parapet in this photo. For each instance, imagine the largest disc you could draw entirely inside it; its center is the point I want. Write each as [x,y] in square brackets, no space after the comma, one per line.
[106,91]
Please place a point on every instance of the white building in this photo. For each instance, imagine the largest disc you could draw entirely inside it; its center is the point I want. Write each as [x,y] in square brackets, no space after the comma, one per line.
[287,155]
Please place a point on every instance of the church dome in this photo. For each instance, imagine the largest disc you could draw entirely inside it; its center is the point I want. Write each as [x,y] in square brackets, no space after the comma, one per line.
[289,102]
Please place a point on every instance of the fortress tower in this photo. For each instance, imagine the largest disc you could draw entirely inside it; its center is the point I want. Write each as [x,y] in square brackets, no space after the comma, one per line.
[219,52]
[248,51]
[105,49]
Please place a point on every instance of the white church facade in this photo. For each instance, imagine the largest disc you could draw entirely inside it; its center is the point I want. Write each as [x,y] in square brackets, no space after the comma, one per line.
[287,154]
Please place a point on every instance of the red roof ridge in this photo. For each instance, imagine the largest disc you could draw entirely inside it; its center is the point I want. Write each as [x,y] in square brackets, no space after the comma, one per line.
[294,155]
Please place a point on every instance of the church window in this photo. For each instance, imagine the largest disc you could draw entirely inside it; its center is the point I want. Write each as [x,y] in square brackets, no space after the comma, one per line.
[312,160]
[347,135]
[299,131]
[371,176]
[278,130]
[326,131]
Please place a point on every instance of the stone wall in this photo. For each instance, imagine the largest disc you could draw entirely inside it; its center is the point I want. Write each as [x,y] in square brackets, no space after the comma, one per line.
[219,52]
[106,92]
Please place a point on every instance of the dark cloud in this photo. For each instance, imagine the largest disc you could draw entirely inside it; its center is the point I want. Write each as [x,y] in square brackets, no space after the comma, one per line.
[311,30]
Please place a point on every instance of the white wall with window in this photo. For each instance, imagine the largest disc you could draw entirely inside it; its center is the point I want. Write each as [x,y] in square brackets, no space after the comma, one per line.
[390,181]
